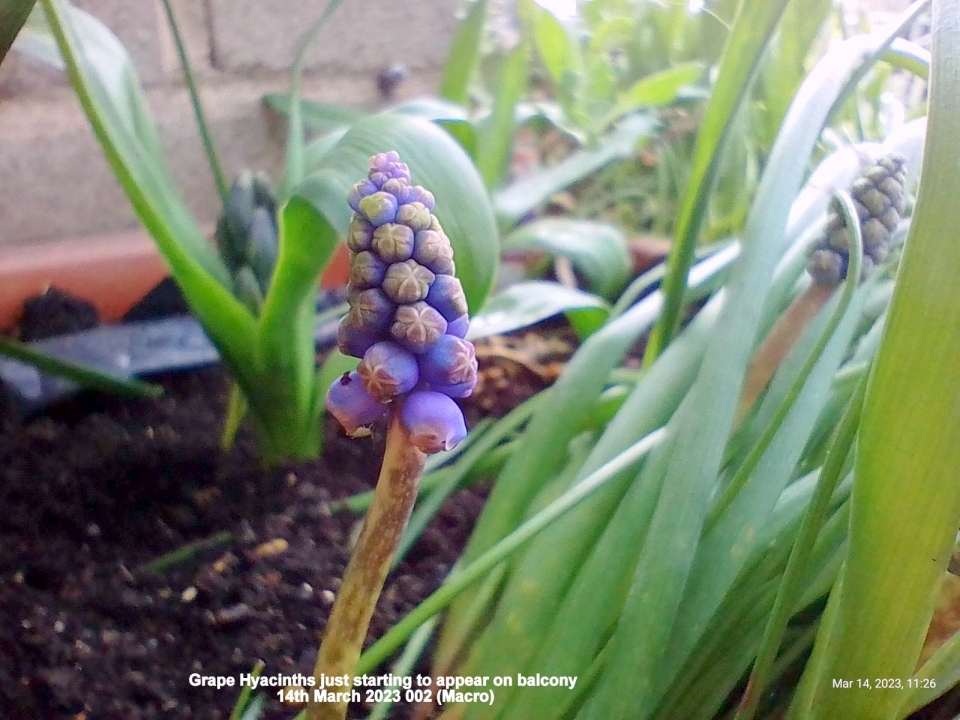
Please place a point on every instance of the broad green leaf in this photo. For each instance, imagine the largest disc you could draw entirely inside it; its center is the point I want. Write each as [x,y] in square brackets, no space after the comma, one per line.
[516,200]
[655,90]
[13,14]
[495,139]
[906,499]
[741,63]
[464,54]
[527,303]
[597,250]
[437,163]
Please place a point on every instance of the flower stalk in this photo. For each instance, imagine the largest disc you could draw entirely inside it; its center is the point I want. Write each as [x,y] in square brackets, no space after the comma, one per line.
[879,196]
[367,570]
[407,324]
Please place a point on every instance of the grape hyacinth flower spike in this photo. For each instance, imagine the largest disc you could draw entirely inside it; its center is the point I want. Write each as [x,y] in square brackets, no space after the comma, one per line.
[407,324]
[880,198]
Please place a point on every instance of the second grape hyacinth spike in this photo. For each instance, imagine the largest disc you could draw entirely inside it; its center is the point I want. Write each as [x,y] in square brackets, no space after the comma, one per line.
[408,314]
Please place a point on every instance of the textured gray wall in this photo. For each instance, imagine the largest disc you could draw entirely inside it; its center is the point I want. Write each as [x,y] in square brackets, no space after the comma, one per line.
[54,183]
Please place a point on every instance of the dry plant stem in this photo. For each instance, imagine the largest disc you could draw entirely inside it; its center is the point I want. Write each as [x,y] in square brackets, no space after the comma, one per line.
[363,580]
[779,342]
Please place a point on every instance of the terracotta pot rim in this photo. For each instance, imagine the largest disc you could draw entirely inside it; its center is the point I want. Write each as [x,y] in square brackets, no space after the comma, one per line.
[112,271]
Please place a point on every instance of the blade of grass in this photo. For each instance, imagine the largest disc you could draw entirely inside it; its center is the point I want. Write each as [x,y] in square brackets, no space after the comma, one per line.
[739,67]
[900,540]
[474,571]
[295,167]
[813,521]
[495,142]
[464,54]
[206,137]
[938,675]
[82,375]
[632,681]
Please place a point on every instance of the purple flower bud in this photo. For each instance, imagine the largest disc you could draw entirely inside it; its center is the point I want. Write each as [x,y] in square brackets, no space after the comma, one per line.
[459,327]
[370,311]
[379,208]
[398,188]
[388,370]
[417,326]
[407,282]
[358,192]
[389,165]
[449,361]
[353,341]
[459,390]
[367,270]
[360,234]
[414,215]
[434,421]
[353,407]
[433,250]
[446,295]
[393,243]
[417,194]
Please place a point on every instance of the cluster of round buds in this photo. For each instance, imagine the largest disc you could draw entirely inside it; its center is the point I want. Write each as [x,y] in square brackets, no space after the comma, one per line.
[408,314]
[880,197]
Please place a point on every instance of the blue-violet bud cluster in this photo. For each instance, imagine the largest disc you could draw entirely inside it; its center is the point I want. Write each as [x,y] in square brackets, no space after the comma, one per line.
[408,314]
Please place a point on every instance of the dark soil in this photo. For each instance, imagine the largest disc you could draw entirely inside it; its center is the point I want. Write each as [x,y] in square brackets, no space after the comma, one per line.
[97,489]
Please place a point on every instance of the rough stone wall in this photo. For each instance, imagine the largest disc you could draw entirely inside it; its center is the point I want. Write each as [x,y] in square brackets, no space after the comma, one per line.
[54,182]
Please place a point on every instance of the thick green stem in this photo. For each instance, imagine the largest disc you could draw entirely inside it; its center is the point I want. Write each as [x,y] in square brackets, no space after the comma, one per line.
[367,570]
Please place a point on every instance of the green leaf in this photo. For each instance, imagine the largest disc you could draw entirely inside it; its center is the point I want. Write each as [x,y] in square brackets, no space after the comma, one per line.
[597,250]
[13,14]
[318,115]
[741,63]
[106,84]
[906,499]
[520,198]
[327,116]
[464,54]
[437,163]
[285,343]
[527,303]
[295,169]
[82,375]
[641,639]
[495,140]
[557,47]
[655,90]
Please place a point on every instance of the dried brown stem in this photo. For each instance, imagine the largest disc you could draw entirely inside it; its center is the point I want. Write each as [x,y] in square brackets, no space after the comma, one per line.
[367,570]
[779,342]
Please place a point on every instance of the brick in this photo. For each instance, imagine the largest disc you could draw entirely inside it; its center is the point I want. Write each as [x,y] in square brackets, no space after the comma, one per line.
[360,36]
[63,186]
[142,29]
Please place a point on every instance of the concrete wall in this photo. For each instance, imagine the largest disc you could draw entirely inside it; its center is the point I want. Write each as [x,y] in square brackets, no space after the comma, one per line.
[54,182]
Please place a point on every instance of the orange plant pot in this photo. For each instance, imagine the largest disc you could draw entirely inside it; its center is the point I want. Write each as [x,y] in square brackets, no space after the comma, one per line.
[112,272]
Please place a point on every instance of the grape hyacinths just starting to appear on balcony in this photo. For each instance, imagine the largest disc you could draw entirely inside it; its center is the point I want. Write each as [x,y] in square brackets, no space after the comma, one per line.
[408,314]
[407,323]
